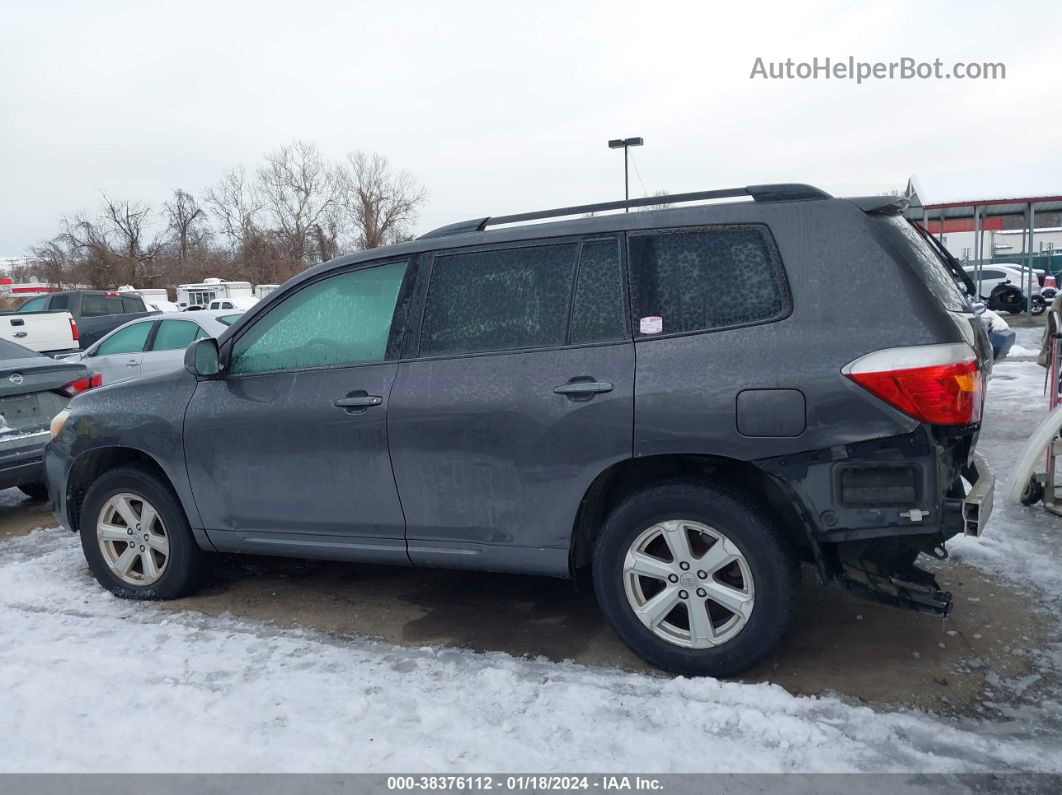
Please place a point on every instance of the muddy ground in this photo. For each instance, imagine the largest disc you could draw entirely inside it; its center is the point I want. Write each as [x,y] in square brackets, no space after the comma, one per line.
[840,643]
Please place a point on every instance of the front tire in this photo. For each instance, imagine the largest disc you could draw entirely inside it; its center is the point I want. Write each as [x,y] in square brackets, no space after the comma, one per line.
[136,537]
[694,579]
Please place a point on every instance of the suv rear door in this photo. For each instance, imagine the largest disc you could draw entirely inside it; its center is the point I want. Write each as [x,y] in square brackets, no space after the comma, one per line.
[517,392]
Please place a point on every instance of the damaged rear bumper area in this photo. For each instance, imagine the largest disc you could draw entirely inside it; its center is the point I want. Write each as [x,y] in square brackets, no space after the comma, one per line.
[873,508]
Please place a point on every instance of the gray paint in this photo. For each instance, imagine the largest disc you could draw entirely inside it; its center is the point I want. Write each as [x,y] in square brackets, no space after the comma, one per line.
[475,461]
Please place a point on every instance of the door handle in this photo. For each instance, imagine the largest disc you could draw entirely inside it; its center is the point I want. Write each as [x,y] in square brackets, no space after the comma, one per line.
[354,402]
[132,363]
[582,389]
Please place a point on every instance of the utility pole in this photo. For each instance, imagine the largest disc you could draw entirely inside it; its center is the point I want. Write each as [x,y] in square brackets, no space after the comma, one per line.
[625,144]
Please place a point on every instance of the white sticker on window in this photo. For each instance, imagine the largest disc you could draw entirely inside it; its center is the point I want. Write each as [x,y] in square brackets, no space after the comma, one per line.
[651,325]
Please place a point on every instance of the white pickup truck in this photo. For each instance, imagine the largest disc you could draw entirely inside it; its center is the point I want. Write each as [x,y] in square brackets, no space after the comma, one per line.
[49,333]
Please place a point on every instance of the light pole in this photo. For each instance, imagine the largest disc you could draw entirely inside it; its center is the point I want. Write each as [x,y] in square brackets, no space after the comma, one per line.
[625,144]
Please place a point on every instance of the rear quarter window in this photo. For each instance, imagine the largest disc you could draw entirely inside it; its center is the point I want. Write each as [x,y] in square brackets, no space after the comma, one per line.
[935,273]
[703,278]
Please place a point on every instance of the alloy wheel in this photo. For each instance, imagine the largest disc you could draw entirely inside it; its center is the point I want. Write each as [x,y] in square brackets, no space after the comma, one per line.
[133,539]
[688,583]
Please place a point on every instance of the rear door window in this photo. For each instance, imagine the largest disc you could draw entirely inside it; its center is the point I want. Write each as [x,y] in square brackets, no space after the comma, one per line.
[598,311]
[688,280]
[499,300]
[175,335]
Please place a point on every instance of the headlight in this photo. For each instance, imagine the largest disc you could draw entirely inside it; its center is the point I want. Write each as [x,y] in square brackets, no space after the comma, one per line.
[58,421]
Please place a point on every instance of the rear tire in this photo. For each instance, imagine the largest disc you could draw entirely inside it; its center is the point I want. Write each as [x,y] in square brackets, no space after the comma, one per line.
[760,582]
[37,491]
[136,537]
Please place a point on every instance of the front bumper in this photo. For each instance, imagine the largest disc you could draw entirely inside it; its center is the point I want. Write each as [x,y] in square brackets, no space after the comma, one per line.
[25,463]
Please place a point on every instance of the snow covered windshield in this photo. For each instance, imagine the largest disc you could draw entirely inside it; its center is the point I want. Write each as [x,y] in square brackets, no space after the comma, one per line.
[929,264]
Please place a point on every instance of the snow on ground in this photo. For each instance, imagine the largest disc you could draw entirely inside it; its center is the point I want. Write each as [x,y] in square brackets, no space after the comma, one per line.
[96,683]
[93,683]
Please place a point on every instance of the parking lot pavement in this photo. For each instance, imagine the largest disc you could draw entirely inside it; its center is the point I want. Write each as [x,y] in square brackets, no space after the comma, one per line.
[19,514]
[840,643]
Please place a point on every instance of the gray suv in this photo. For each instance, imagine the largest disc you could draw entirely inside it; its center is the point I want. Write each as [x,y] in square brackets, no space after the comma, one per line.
[688,403]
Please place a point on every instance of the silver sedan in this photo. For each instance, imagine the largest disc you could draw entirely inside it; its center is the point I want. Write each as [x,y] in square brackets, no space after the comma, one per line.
[151,344]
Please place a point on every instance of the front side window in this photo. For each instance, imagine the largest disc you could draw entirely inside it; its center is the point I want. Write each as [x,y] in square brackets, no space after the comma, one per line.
[175,335]
[340,320]
[699,279]
[130,339]
[499,300]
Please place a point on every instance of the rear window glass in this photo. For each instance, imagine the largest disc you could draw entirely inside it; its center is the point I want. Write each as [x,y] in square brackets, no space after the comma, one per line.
[936,274]
[688,280]
[59,302]
[93,306]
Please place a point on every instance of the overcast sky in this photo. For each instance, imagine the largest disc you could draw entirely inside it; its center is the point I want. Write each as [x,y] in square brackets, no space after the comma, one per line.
[501,107]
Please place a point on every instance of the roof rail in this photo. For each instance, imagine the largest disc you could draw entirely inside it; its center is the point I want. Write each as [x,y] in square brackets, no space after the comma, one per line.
[761,193]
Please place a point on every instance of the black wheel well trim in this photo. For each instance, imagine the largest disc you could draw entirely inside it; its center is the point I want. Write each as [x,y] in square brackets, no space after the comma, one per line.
[784,502]
[90,464]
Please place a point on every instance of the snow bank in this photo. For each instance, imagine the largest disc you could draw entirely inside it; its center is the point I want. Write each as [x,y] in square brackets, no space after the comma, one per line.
[93,683]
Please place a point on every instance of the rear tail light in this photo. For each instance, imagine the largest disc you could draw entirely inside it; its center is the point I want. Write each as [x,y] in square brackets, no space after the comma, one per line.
[83,384]
[938,384]
[73,330]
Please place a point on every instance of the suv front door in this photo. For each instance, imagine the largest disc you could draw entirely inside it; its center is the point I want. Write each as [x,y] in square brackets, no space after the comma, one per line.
[513,403]
[287,452]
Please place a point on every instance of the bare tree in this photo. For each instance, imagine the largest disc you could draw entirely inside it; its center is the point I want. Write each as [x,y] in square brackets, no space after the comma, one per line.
[87,241]
[235,206]
[381,203]
[187,222]
[299,190]
[128,221]
[52,263]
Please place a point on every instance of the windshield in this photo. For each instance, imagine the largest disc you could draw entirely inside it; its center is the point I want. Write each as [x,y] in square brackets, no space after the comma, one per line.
[228,320]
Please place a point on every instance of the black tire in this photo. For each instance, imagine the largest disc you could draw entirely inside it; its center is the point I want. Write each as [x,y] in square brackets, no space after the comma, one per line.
[186,565]
[771,558]
[37,491]
[1033,492]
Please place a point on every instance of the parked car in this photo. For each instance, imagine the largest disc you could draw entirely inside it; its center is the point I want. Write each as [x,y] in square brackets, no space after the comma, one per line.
[242,304]
[33,389]
[149,345]
[1000,335]
[994,274]
[96,312]
[470,399]
[50,332]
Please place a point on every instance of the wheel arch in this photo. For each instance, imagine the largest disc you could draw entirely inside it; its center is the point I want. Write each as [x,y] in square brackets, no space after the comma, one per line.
[634,474]
[91,464]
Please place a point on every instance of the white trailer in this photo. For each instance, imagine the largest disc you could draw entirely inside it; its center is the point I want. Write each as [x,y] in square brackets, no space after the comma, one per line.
[204,292]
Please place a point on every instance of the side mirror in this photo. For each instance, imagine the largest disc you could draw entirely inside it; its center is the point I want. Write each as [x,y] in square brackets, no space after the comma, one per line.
[201,358]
